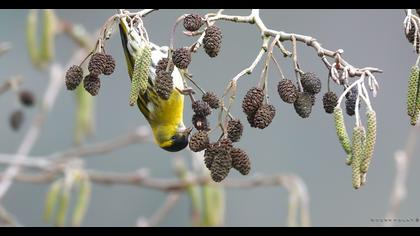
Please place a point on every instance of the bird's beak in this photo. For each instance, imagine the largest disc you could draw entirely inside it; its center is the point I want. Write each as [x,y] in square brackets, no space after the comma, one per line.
[187,131]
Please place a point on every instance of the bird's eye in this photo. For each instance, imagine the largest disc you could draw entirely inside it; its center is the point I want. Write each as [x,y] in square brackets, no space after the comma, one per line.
[173,138]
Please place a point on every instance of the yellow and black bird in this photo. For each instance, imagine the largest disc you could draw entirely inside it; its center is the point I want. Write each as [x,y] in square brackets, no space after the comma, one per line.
[164,116]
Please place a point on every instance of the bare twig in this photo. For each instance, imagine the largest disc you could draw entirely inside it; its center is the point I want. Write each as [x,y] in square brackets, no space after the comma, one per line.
[254,18]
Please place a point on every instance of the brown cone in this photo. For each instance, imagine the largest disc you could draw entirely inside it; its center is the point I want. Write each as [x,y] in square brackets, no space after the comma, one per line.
[311,83]
[74,77]
[164,85]
[240,161]
[234,130]
[287,91]
[201,108]
[193,22]
[97,64]
[16,119]
[92,84]
[252,100]
[162,64]
[212,99]
[199,141]
[181,58]
[264,116]
[200,122]
[212,40]
[109,67]
[303,105]
[27,98]
[330,100]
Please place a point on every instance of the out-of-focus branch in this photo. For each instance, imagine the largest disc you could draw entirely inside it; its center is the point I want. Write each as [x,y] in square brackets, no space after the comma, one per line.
[141,179]
[292,183]
[162,212]
[141,134]
[5,217]
[5,47]
[402,162]
[55,83]
[9,84]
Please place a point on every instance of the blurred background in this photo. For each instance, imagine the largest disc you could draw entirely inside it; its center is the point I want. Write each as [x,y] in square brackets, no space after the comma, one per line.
[306,147]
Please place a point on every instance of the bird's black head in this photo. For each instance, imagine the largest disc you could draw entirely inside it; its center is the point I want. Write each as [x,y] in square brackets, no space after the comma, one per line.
[179,142]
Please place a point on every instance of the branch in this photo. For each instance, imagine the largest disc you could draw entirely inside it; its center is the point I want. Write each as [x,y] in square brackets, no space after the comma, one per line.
[10,84]
[54,86]
[402,162]
[254,18]
[141,134]
[5,47]
[162,212]
[5,218]
[293,184]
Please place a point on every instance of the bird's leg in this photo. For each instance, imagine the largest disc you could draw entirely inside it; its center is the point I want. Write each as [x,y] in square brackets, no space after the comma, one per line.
[185,91]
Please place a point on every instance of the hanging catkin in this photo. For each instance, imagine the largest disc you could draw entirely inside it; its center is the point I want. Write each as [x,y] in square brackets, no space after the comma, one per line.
[341,130]
[370,140]
[412,91]
[139,80]
[357,153]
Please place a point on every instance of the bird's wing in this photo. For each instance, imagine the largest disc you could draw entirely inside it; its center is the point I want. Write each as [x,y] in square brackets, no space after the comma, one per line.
[149,101]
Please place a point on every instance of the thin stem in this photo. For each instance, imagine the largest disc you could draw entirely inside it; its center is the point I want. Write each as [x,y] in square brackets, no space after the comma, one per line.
[194,83]
[357,105]
[172,36]
[278,67]
[366,97]
[340,99]
[297,70]
[283,49]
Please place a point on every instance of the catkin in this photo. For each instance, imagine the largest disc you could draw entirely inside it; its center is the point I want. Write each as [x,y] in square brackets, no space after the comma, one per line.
[348,159]
[412,91]
[341,130]
[48,34]
[357,151]
[370,140]
[139,80]
[415,117]
[146,59]
[82,202]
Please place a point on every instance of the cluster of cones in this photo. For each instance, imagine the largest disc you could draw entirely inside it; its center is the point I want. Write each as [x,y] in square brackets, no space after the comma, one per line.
[99,63]
[221,156]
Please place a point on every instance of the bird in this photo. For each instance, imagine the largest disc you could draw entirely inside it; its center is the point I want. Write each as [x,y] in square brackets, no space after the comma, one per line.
[165,117]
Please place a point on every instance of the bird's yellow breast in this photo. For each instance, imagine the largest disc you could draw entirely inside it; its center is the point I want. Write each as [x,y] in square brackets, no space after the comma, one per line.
[167,112]
[164,116]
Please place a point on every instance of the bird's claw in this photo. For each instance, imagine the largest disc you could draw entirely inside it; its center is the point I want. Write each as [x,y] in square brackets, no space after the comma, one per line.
[185,91]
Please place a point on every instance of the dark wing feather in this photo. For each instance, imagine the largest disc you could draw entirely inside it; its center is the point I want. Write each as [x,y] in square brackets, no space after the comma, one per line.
[150,96]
